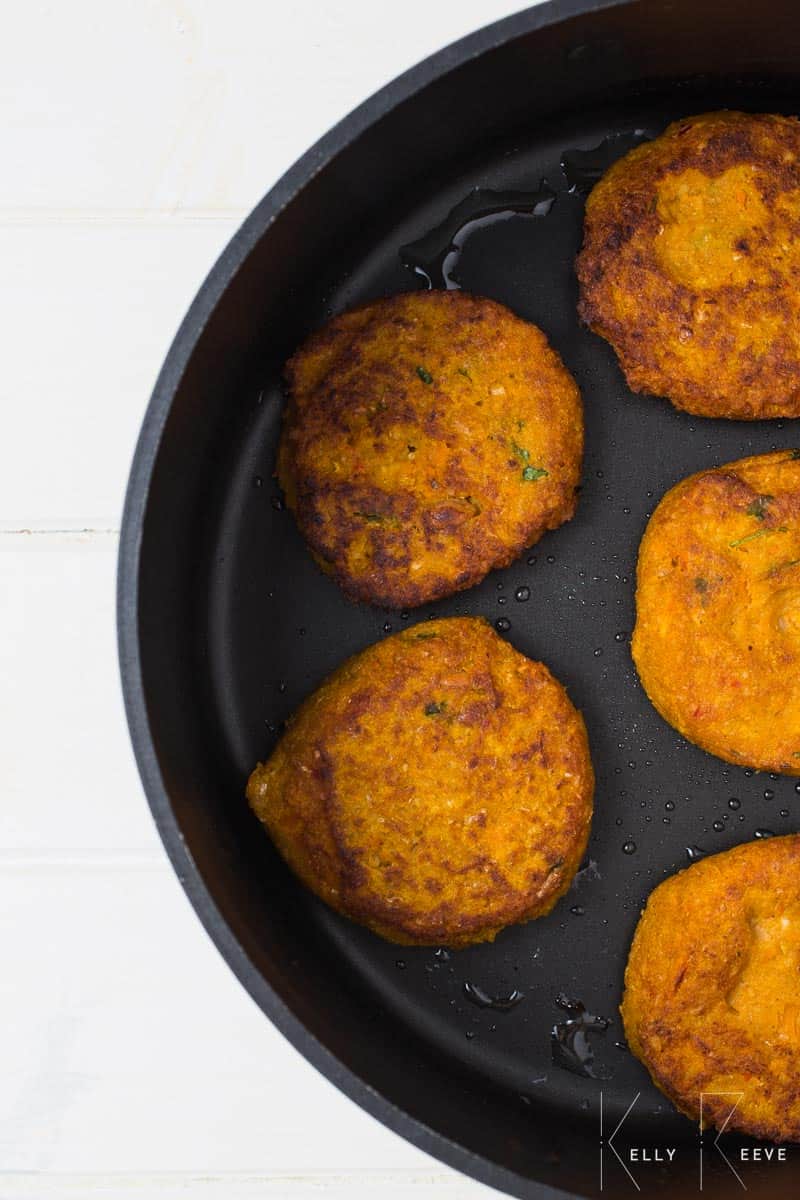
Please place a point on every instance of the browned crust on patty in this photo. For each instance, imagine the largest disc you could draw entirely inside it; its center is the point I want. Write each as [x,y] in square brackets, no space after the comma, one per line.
[711,1000]
[428,438]
[690,265]
[435,788]
[717,635]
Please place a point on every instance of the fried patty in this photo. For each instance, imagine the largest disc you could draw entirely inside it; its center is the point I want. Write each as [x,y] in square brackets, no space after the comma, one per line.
[428,438]
[435,788]
[690,262]
[711,1001]
[717,635]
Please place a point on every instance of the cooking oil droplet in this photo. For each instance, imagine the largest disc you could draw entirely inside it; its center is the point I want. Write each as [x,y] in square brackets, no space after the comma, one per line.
[694,852]
[387,626]
[531,561]
[620,637]
[434,257]
[470,1034]
[522,594]
[400,964]
[598,652]
[718,826]
[476,995]
[583,168]
[502,625]
[784,812]
[277,503]
[258,481]
[578,910]
[551,558]
[441,955]
[764,833]
[734,803]
[670,806]
[768,794]
[629,847]
[569,1040]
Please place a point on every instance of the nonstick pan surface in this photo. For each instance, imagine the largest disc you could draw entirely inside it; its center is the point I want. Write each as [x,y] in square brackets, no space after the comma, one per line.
[226,624]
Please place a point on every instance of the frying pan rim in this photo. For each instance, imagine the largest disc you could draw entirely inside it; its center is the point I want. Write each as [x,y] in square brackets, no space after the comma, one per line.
[232,258]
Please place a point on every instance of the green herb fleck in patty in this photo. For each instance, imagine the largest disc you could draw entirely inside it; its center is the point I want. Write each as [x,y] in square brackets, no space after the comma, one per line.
[758,507]
[531,474]
[758,533]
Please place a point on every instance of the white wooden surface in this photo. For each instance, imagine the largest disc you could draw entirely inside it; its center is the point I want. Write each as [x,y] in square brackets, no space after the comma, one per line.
[134,136]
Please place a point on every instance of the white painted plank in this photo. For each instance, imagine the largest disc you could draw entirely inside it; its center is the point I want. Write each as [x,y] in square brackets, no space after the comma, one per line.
[322,1185]
[69,780]
[91,309]
[127,1045]
[193,103]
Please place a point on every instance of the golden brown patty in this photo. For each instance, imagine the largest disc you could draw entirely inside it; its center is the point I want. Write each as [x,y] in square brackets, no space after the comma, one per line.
[435,788]
[690,263]
[711,989]
[717,637]
[428,438]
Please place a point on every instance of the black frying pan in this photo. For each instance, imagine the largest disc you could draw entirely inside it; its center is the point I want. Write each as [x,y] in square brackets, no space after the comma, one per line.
[226,624]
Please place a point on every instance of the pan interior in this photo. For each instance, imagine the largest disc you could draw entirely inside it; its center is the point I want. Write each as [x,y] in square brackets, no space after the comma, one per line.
[269,627]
